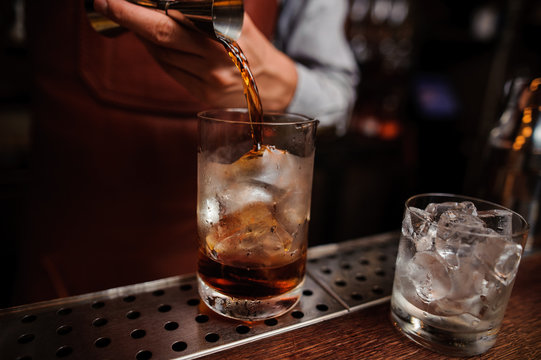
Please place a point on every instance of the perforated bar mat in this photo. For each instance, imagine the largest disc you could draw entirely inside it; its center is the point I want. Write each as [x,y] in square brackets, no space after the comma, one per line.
[165,319]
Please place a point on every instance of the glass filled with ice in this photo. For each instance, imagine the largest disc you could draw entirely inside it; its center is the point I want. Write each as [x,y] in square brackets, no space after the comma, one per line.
[457,261]
[254,192]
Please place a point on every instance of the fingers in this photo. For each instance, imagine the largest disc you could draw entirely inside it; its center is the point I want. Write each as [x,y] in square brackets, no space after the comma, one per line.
[190,57]
[212,75]
[154,26]
[200,66]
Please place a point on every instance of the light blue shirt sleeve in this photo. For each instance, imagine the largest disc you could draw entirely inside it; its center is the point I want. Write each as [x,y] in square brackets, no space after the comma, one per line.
[312,33]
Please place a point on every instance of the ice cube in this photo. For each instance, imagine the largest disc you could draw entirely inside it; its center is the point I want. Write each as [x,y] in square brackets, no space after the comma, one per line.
[468,280]
[208,213]
[437,209]
[456,224]
[250,237]
[501,257]
[429,276]
[416,221]
[406,251]
[419,226]
[268,165]
[424,243]
[498,220]
[448,250]
[293,208]
[243,192]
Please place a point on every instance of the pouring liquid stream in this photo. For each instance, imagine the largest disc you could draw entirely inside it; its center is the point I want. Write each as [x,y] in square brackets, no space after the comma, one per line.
[255,109]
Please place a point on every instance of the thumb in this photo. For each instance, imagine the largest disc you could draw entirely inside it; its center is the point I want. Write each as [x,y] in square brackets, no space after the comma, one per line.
[101,6]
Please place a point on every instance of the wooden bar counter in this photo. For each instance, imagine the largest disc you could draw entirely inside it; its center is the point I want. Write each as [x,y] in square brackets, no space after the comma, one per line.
[344,313]
[369,334]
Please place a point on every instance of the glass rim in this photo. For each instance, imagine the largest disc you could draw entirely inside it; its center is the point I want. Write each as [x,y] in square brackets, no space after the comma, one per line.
[525,226]
[212,115]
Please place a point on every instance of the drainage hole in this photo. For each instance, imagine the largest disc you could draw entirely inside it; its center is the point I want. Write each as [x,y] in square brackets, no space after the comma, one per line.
[99,322]
[271,322]
[360,277]
[138,333]
[382,257]
[164,308]
[242,329]
[201,318]
[377,290]
[308,293]
[380,272]
[193,302]
[322,307]
[98,304]
[345,266]
[63,329]
[132,315]
[143,355]
[28,318]
[129,298]
[356,296]
[64,311]
[179,346]
[340,282]
[364,261]
[170,326]
[102,342]
[158,293]
[325,270]
[185,287]
[297,314]
[63,351]
[25,338]
[212,337]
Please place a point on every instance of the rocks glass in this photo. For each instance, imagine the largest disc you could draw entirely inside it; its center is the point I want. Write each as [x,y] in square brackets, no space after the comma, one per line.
[457,261]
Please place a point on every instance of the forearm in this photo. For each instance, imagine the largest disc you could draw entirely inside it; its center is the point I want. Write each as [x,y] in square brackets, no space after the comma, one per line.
[325,95]
[312,33]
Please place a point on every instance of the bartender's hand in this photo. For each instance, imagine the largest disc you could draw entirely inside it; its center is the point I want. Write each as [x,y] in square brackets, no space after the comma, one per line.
[202,65]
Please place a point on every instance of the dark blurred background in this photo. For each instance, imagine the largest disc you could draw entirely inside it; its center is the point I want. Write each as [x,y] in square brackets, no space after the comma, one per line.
[433,75]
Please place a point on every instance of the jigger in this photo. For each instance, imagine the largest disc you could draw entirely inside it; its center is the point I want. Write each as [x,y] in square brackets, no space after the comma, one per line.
[216,18]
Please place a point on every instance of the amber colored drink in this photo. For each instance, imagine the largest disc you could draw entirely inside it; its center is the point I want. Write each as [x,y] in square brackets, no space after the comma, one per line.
[253,100]
[251,282]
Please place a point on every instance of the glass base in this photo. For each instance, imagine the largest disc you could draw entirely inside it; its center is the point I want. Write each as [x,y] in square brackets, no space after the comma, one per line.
[450,343]
[248,309]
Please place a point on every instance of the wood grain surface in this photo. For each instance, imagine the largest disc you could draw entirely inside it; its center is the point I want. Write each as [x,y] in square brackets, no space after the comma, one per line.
[369,334]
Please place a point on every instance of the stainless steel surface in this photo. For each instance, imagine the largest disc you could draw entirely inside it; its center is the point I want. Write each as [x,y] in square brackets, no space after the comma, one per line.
[165,319]
[216,18]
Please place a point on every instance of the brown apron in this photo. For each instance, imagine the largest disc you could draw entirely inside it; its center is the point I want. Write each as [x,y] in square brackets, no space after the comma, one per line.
[112,196]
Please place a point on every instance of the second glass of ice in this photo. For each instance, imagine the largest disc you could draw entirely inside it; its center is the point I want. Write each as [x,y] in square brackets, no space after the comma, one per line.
[253,211]
[456,265]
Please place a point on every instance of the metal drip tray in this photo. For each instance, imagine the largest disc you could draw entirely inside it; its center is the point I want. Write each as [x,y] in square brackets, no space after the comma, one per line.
[165,319]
